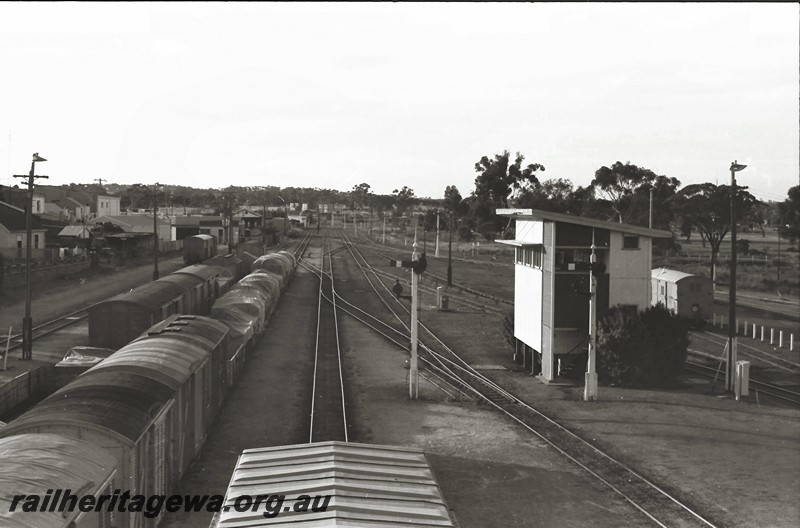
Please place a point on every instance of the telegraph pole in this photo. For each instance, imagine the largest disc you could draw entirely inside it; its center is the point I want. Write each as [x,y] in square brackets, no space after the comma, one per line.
[27,322]
[730,372]
[436,253]
[155,231]
[450,253]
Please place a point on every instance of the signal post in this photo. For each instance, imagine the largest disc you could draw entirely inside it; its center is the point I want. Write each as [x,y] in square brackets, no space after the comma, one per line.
[418,263]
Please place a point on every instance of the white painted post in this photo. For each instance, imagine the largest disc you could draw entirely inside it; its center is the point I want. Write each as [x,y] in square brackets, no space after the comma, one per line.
[771,335]
[413,388]
[780,339]
[754,330]
[762,333]
[744,328]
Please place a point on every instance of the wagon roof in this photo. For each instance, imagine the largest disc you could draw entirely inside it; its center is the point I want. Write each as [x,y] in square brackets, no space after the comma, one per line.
[205,272]
[160,358]
[149,296]
[33,463]
[204,329]
[670,275]
[183,280]
[368,484]
[124,412]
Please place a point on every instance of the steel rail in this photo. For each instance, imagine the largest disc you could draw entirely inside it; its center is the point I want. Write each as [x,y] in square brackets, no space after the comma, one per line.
[792,366]
[444,376]
[316,355]
[338,345]
[761,387]
[462,289]
[463,364]
[320,299]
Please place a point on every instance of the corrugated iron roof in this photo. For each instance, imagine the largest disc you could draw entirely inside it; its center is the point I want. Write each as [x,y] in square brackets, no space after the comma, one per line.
[80,231]
[369,485]
[539,214]
[669,275]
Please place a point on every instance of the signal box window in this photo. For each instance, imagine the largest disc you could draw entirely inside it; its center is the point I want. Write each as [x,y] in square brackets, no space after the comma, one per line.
[630,242]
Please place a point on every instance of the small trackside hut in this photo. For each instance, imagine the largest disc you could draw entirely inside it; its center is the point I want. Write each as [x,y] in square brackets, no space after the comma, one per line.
[551,276]
[682,293]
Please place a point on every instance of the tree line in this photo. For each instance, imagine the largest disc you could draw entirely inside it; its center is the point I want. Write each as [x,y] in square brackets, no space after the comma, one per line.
[621,192]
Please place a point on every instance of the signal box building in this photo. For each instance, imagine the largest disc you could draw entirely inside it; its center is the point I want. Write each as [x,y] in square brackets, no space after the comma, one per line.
[552,277]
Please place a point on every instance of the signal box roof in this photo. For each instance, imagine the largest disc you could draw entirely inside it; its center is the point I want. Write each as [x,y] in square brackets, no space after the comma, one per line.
[538,214]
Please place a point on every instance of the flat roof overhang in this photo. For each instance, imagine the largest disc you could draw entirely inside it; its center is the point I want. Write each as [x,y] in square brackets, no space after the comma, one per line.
[519,243]
[591,222]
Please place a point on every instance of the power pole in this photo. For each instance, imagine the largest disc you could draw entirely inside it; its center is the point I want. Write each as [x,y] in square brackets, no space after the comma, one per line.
[436,253]
[27,322]
[155,231]
[730,372]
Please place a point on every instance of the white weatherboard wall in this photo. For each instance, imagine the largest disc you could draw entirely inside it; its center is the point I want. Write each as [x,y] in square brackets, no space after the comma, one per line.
[528,289]
[629,272]
[528,306]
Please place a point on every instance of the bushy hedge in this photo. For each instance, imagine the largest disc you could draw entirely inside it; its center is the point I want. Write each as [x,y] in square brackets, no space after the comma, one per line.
[645,349]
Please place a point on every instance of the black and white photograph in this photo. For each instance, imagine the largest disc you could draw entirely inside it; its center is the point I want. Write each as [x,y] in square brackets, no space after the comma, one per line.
[399,264]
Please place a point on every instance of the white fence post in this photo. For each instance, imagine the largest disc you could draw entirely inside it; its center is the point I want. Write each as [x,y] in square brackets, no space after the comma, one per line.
[771,335]
[780,339]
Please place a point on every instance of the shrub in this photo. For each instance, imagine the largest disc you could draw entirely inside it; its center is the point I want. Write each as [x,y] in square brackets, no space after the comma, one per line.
[646,349]
[488,230]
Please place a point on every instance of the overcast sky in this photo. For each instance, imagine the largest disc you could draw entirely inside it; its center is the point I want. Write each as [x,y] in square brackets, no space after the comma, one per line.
[331,95]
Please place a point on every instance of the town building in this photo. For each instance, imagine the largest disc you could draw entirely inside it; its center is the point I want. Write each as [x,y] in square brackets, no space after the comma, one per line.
[13,232]
[552,275]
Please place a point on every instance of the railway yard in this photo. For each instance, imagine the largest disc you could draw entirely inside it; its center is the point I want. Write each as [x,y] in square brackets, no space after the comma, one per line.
[506,449]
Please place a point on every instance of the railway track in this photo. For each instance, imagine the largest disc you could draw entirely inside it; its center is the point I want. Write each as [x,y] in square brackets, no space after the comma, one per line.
[51,327]
[328,410]
[757,388]
[746,350]
[480,301]
[785,308]
[659,504]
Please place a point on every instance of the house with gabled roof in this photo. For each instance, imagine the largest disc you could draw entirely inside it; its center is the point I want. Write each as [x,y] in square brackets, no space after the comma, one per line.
[13,230]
